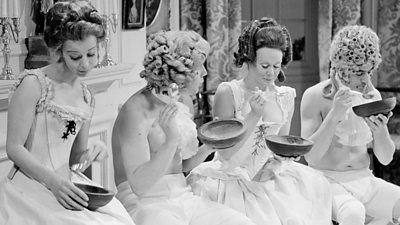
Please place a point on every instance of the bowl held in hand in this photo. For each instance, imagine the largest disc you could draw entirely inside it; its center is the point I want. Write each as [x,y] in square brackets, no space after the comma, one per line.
[222,133]
[98,196]
[288,145]
[383,106]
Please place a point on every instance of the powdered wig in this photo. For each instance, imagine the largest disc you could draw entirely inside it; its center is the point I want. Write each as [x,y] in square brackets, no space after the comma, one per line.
[169,58]
[353,49]
[264,33]
[74,21]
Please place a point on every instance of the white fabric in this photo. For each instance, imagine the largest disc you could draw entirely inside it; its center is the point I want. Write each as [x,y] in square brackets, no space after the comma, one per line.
[353,130]
[378,196]
[296,194]
[24,200]
[171,202]
[188,143]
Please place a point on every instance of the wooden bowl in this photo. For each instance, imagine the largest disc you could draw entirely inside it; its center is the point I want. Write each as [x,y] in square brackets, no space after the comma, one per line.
[288,145]
[98,196]
[383,106]
[222,133]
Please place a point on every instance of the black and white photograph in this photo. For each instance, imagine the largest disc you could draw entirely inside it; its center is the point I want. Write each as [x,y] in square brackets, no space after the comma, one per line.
[200,112]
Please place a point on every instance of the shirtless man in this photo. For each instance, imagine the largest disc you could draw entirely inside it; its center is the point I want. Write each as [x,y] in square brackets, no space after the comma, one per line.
[154,139]
[341,138]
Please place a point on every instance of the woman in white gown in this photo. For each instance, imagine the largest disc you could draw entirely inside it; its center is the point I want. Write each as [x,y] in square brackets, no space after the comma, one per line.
[248,177]
[47,131]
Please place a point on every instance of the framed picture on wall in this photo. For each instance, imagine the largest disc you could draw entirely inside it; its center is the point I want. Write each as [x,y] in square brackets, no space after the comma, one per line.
[133,14]
[158,14]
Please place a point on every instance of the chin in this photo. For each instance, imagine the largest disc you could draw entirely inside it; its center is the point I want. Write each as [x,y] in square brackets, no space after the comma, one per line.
[82,74]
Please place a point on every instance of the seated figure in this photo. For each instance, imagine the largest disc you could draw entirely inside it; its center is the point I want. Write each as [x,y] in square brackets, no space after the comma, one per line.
[48,127]
[341,137]
[248,177]
[155,139]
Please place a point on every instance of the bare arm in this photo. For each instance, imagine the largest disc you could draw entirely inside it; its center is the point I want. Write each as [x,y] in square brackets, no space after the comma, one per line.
[384,147]
[195,160]
[285,130]
[80,144]
[142,171]
[21,113]
[84,152]
[321,130]
[224,109]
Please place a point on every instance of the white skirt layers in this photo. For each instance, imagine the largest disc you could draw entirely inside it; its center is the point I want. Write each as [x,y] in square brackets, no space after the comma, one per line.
[296,194]
[171,202]
[25,201]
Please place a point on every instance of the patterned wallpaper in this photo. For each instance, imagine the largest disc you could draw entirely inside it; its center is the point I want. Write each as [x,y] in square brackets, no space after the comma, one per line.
[219,21]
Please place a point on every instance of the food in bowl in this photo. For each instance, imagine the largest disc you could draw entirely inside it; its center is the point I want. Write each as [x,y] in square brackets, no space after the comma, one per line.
[288,145]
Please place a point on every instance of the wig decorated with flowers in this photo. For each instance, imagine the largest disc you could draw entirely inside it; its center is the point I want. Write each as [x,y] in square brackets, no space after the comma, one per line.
[169,58]
[354,50]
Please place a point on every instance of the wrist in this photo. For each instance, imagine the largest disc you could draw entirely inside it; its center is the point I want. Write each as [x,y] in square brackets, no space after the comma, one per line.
[49,181]
[335,117]
[253,115]
[171,142]
[207,149]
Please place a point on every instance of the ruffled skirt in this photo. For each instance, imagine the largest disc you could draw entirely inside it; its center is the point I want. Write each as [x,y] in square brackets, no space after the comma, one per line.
[297,194]
[171,202]
[25,201]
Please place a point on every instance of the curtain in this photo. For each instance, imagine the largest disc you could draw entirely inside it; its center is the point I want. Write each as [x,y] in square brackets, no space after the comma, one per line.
[389,34]
[389,70]
[219,22]
[333,15]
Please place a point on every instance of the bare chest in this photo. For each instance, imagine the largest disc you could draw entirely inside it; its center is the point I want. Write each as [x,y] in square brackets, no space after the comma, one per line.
[156,139]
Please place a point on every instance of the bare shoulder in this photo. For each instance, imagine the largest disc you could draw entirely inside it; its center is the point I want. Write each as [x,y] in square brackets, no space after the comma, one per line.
[376,95]
[224,90]
[137,108]
[313,101]
[224,106]
[315,92]
[28,90]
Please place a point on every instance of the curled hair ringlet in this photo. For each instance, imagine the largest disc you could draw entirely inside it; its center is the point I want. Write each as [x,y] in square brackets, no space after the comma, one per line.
[265,32]
[169,58]
[73,21]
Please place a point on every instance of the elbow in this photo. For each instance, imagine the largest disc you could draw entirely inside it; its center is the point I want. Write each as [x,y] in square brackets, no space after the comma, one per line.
[386,160]
[384,155]
[311,159]
[139,192]
[186,170]
[10,151]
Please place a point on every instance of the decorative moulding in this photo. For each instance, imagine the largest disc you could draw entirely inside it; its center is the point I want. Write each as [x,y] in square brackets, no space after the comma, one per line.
[5,86]
[99,80]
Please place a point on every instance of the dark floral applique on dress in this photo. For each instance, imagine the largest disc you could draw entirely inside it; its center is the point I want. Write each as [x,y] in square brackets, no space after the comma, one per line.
[71,129]
[260,138]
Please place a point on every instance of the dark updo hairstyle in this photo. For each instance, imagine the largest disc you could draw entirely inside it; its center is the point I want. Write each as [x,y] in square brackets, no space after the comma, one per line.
[264,33]
[73,21]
